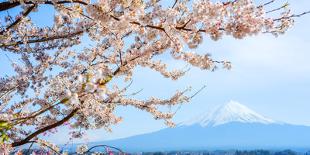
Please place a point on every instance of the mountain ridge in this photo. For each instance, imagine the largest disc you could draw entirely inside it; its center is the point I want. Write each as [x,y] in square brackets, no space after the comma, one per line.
[233,135]
[230,112]
[231,126]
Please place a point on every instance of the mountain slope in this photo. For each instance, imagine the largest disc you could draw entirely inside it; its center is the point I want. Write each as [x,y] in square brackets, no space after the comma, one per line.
[228,136]
[230,112]
[231,126]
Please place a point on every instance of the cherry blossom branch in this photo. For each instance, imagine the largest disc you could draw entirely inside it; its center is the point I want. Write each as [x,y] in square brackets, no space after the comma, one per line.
[35,114]
[175,2]
[183,27]
[8,5]
[44,39]
[32,142]
[276,9]
[292,16]
[267,3]
[229,2]
[196,93]
[59,123]
[78,76]
[158,27]
[28,10]
[38,132]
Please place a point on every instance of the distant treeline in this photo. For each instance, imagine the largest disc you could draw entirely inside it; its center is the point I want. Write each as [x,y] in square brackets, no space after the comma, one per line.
[230,152]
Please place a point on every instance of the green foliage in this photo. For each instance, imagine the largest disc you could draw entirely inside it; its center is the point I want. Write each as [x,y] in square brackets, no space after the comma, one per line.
[4,126]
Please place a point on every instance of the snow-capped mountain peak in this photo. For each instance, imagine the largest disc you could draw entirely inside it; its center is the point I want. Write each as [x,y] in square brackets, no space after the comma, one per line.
[229,112]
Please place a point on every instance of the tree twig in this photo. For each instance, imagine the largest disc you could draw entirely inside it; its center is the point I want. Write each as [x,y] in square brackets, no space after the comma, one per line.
[19,19]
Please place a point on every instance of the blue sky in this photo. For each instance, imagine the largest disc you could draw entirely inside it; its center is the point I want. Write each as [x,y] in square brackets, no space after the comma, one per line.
[271,75]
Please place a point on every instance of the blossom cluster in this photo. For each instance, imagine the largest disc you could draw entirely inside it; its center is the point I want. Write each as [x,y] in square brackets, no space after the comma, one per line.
[81,149]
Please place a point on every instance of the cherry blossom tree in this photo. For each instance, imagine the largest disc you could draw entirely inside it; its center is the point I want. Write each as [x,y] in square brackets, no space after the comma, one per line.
[56,84]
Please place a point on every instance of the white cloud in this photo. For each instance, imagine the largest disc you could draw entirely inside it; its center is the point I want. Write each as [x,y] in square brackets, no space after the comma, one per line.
[287,55]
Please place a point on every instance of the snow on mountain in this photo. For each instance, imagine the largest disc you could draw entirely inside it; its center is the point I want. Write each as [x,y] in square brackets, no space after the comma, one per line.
[229,112]
[230,126]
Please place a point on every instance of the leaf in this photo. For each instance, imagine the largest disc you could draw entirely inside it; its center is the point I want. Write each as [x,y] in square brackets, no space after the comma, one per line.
[15,115]
[4,137]
[4,125]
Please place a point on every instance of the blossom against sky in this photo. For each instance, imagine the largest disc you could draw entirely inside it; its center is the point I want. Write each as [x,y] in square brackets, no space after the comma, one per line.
[270,75]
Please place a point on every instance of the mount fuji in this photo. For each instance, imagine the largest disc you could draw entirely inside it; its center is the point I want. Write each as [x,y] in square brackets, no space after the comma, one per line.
[230,126]
[230,112]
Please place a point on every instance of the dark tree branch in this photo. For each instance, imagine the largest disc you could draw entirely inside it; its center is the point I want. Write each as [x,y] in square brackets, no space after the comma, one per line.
[230,2]
[175,2]
[267,3]
[8,5]
[292,16]
[19,19]
[36,133]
